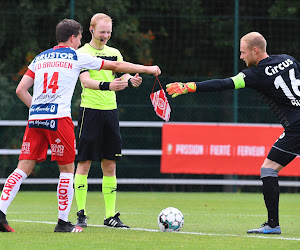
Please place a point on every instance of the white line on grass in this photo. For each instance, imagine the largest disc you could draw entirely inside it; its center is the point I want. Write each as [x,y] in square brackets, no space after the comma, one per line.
[193,233]
[215,214]
[194,214]
[32,212]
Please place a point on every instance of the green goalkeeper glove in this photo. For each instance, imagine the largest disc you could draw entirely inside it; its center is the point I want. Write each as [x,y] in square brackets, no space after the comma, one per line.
[179,88]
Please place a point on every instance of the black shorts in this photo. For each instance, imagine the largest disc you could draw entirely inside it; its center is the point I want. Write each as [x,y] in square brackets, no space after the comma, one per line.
[286,148]
[99,135]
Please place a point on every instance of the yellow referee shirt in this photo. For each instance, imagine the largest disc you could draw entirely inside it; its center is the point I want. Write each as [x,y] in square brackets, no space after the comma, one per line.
[100,99]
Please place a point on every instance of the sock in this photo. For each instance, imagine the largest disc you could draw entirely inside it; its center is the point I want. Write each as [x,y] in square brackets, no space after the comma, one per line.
[11,188]
[81,187]
[109,190]
[271,196]
[65,193]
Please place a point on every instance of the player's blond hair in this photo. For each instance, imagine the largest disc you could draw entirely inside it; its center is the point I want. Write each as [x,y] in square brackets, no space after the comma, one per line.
[255,39]
[99,16]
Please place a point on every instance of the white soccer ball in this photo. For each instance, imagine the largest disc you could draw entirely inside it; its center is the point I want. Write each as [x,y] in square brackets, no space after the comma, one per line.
[170,219]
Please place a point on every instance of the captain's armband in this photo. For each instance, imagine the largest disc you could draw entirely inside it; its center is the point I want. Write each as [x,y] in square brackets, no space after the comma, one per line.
[239,81]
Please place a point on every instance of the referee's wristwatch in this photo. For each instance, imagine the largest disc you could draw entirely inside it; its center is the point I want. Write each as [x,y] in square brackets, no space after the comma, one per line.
[130,83]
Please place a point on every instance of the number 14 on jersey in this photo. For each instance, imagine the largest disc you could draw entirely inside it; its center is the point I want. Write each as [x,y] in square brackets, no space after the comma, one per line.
[53,82]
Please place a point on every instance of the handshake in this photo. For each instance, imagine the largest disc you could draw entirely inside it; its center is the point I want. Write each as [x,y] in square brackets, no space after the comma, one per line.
[179,88]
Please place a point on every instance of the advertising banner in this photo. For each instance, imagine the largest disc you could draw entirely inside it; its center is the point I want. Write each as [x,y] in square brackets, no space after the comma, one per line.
[220,149]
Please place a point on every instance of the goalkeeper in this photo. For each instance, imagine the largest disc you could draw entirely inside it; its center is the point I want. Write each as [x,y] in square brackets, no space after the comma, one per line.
[277,77]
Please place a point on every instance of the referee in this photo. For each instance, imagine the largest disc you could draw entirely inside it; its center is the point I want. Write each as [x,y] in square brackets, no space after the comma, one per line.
[99,137]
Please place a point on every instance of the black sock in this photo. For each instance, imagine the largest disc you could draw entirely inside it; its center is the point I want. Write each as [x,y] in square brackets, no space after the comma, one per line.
[2,216]
[271,197]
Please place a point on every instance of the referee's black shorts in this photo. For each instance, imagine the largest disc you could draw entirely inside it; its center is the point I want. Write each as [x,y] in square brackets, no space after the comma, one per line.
[286,148]
[99,135]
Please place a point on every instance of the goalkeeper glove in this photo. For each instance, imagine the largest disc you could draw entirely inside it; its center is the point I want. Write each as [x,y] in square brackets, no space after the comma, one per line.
[179,88]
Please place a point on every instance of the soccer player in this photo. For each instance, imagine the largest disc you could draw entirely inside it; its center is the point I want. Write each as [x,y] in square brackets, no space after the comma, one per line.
[277,77]
[53,75]
[99,137]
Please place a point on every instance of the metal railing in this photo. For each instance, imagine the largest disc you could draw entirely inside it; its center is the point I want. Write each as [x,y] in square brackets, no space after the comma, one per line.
[140,152]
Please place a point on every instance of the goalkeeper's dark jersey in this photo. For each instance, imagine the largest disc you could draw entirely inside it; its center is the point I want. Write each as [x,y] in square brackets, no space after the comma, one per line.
[277,77]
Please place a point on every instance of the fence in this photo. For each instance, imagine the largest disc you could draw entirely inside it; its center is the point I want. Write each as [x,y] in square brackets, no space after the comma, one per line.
[189,40]
[232,183]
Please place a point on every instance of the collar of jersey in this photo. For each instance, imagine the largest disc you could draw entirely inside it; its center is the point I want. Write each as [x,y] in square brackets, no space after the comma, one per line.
[60,46]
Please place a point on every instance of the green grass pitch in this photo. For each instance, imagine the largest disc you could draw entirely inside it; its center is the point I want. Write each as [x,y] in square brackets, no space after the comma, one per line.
[212,221]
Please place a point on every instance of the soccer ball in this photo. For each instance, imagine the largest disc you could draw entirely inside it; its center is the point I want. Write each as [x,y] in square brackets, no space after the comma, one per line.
[170,219]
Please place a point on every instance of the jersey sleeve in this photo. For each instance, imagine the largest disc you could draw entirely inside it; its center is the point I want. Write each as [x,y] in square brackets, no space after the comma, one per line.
[238,81]
[246,79]
[31,67]
[119,56]
[30,73]
[214,85]
[87,61]
[298,64]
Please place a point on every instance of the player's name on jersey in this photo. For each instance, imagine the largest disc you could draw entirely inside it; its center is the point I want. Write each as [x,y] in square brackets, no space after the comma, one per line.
[60,64]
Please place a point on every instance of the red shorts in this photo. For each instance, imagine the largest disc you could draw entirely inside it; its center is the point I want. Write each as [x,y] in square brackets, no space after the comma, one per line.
[58,133]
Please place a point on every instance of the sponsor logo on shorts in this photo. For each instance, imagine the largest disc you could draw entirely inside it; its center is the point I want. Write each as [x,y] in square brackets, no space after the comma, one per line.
[45,124]
[25,148]
[48,108]
[57,149]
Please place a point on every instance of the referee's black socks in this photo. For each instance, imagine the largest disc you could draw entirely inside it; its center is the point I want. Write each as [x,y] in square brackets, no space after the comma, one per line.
[271,196]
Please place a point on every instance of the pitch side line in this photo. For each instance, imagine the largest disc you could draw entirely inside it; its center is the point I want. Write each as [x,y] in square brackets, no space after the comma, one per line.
[192,233]
[228,215]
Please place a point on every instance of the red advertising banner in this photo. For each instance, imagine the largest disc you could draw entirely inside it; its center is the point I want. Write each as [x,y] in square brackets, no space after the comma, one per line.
[219,149]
